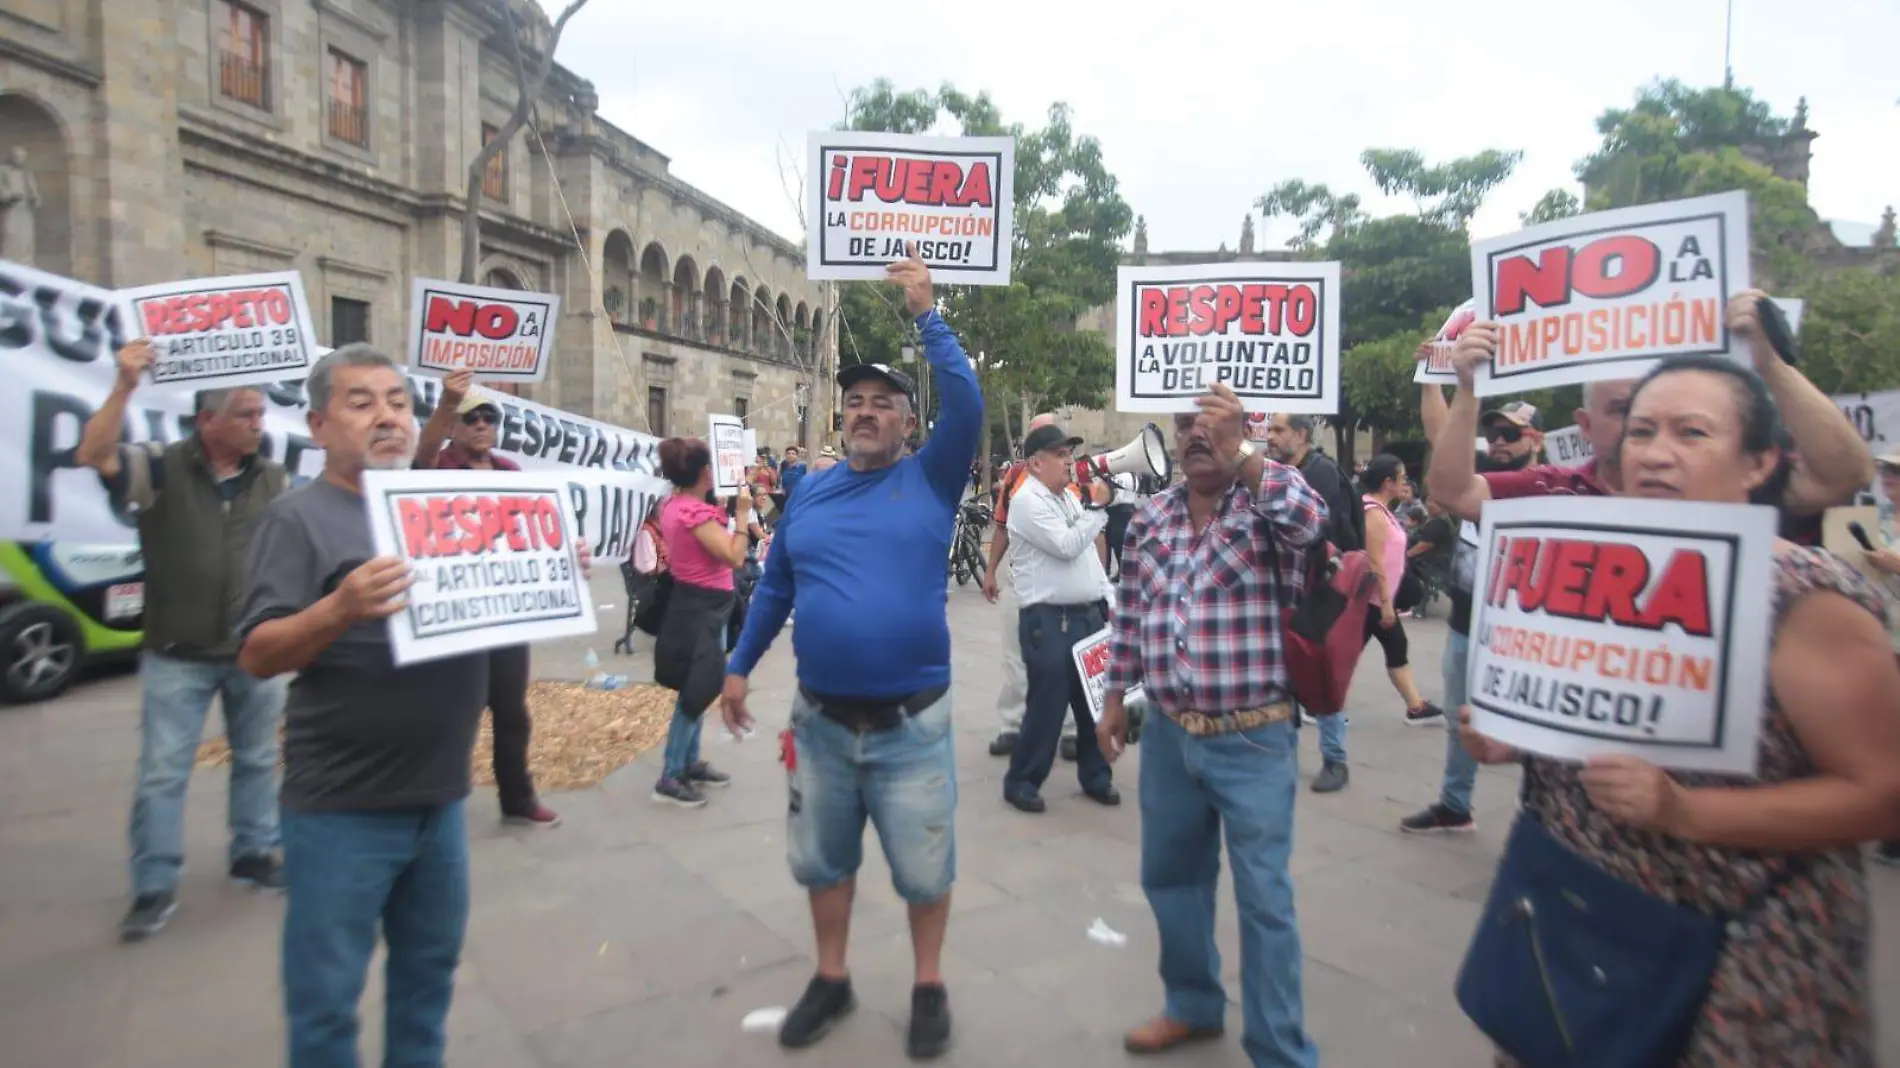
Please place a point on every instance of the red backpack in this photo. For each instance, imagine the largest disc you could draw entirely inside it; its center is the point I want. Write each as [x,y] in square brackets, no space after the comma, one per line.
[1325,627]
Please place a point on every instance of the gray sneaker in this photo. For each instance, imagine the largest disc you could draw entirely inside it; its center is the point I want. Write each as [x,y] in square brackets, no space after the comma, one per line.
[148,915]
[678,792]
[1332,778]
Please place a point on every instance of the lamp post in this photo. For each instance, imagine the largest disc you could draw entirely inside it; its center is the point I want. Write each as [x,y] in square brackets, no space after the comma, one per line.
[909,354]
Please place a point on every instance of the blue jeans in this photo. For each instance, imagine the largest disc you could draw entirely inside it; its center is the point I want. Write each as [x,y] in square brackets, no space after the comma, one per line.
[1190,789]
[177,695]
[904,780]
[682,743]
[404,870]
[1461,772]
[1332,738]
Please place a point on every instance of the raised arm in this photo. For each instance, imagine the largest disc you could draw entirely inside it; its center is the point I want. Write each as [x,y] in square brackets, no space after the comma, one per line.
[1451,477]
[952,443]
[442,420]
[1036,519]
[99,441]
[1431,399]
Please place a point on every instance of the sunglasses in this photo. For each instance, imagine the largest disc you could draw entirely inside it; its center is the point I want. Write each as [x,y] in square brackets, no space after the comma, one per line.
[479,417]
[1504,432]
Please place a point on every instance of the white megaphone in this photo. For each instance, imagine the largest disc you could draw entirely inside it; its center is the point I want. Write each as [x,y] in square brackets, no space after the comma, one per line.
[1146,455]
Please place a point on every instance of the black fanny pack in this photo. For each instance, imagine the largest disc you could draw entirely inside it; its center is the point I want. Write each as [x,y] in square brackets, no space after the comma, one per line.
[867,714]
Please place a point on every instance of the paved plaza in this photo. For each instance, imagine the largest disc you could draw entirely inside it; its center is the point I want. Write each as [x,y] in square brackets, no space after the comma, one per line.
[641,935]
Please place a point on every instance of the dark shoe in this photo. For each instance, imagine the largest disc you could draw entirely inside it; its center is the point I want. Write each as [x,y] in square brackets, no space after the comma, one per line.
[1888,853]
[535,815]
[1437,817]
[1423,714]
[1025,800]
[1105,795]
[1068,749]
[148,915]
[826,1001]
[261,870]
[683,794]
[700,773]
[1003,744]
[1332,778]
[1161,1034]
[929,1022]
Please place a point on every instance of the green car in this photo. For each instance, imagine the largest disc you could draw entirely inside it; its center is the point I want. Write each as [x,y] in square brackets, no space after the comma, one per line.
[63,607]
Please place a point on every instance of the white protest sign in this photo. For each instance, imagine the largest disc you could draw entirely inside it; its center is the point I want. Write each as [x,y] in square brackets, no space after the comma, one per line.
[1437,368]
[871,193]
[749,441]
[1877,417]
[1268,331]
[1604,296]
[1569,448]
[57,338]
[1646,635]
[503,335]
[1091,664]
[493,558]
[213,333]
[725,436]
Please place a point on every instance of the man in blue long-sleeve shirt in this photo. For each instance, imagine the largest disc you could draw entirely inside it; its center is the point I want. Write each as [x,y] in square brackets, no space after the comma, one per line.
[860,554]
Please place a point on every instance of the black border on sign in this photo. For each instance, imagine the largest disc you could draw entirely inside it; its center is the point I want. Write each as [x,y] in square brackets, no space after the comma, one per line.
[1733,541]
[390,496]
[303,329]
[547,338]
[1721,239]
[1319,332]
[996,227]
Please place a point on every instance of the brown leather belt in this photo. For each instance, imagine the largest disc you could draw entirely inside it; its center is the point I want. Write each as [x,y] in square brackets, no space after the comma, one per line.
[1200,724]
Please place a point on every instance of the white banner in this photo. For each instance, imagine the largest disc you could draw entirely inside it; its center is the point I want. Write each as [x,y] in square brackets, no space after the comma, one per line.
[1569,448]
[503,335]
[493,559]
[1268,331]
[725,436]
[1877,417]
[871,193]
[609,507]
[57,339]
[214,333]
[1646,635]
[1604,296]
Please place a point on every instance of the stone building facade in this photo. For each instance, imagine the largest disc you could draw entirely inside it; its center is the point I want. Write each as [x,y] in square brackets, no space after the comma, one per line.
[172,138]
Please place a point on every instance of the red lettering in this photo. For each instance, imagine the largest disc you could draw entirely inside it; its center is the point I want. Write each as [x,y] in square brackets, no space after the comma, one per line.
[1201,307]
[1569,576]
[976,187]
[1547,283]
[548,516]
[1154,312]
[924,182]
[1637,263]
[469,521]
[447,314]
[1682,595]
[1302,310]
[220,308]
[492,522]
[496,321]
[511,523]
[277,305]
[158,319]
[442,526]
[416,526]
[1617,578]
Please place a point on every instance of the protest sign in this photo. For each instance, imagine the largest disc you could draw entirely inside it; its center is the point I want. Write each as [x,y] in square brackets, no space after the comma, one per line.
[609,507]
[57,339]
[1877,417]
[493,557]
[1438,367]
[1569,448]
[1606,295]
[503,335]
[871,193]
[214,333]
[1091,664]
[749,443]
[1268,331]
[1646,635]
[725,436]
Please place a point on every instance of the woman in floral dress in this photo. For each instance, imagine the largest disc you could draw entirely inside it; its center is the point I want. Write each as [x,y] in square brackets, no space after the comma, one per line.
[1790,990]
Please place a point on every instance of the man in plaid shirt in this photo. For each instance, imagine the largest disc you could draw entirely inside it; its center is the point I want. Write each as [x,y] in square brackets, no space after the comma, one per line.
[1209,568]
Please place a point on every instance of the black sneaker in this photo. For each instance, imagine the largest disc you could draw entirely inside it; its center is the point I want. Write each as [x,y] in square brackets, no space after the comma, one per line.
[700,773]
[148,915]
[1105,795]
[929,1022]
[1025,800]
[261,870]
[826,1001]
[1332,778]
[1003,744]
[1068,749]
[679,792]
[1423,714]
[1437,817]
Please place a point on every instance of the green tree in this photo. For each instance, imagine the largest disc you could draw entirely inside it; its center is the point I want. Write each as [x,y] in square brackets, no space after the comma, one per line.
[1069,222]
[1554,205]
[1850,330]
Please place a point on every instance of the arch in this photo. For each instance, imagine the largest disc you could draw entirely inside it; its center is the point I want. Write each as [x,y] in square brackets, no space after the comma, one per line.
[715,304]
[683,298]
[502,278]
[801,330]
[652,283]
[738,311]
[617,276]
[762,331]
[33,139]
[781,343]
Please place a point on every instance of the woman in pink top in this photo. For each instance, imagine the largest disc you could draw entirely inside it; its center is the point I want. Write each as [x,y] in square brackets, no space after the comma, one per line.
[689,654]
[1383,483]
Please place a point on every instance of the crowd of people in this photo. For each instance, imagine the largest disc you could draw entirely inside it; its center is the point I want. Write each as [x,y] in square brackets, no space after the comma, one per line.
[251,582]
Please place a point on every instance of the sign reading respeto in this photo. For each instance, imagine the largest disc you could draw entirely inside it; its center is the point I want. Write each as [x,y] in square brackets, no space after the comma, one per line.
[873,194]
[216,333]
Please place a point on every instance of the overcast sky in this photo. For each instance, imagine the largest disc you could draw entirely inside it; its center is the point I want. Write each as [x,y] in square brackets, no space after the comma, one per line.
[1200,114]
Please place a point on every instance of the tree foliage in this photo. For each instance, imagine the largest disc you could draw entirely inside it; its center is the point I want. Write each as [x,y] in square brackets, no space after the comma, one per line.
[1554,205]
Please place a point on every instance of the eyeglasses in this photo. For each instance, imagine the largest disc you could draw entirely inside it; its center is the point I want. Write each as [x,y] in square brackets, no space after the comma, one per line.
[1507,433]
[480,416]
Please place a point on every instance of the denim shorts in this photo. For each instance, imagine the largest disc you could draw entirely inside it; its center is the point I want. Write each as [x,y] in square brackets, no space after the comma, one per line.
[904,780]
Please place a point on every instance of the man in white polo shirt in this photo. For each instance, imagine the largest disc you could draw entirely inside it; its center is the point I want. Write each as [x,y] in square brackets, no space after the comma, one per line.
[1059,582]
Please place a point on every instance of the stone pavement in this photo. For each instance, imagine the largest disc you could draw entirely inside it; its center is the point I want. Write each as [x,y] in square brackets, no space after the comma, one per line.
[636,934]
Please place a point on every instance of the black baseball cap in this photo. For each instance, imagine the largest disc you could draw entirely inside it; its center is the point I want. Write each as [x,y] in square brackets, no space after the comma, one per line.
[1047,437]
[891,376]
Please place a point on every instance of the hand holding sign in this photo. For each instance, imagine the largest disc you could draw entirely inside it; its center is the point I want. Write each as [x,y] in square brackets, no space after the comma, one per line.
[374,590]
[134,360]
[455,387]
[1483,748]
[1744,321]
[1634,792]
[914,277]
[1226,422]
[1478,344]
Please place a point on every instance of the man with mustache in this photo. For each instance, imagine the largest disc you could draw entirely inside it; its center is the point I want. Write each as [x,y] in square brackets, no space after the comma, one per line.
[197,503]
[860,555]
[470,420]
[1212,564]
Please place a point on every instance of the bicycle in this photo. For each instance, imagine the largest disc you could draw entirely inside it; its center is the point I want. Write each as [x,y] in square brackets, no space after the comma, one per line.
[966,542]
